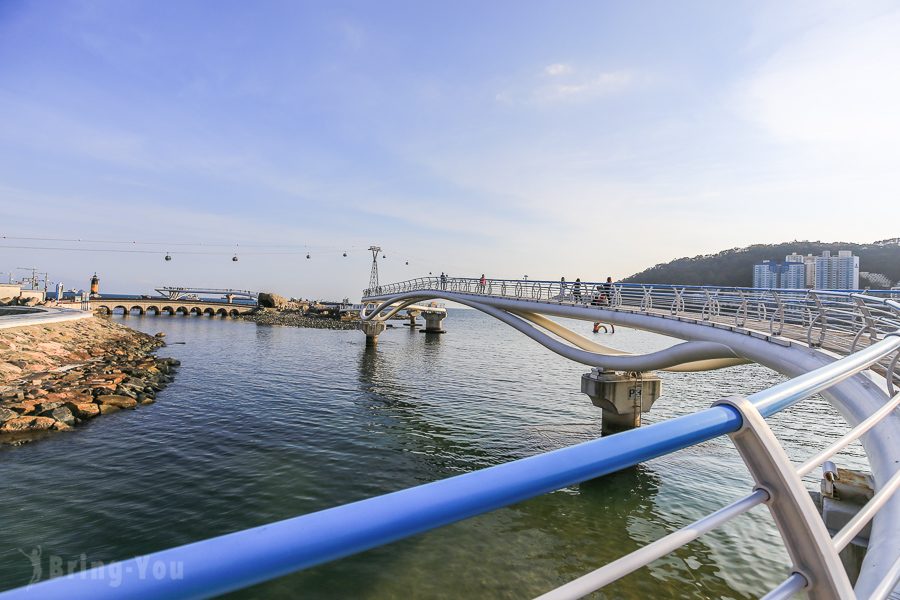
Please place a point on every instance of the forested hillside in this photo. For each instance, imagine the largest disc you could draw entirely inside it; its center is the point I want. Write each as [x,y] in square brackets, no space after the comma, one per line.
[734,267]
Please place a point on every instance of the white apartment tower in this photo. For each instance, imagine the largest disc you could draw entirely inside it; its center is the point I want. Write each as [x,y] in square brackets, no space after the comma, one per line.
[839,272]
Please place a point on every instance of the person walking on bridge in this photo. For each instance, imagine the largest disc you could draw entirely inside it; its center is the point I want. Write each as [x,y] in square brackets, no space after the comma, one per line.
[443,281]
[576,290]
[562,288]
[481,284]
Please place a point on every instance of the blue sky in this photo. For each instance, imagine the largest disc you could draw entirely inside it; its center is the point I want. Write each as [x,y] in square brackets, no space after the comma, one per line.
[582,139]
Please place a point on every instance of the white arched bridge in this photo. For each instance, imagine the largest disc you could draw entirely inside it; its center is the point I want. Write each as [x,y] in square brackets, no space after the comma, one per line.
[843,345]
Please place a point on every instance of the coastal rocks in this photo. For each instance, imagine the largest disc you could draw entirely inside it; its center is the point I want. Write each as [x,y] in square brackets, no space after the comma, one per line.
[297,319]
[270,300]
[29,423]
[68,373]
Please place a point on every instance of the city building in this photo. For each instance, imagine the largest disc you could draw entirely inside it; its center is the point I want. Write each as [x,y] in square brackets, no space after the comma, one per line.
[839,272]
[788,275]
[809,261]
[765,274]
[792,275]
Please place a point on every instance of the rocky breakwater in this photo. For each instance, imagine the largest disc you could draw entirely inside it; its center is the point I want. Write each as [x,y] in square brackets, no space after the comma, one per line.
[278,310]
[55,376]
[296,318]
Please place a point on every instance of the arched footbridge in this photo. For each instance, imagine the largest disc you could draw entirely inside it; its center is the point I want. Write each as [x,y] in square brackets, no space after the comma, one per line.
[842,345]
[165,306]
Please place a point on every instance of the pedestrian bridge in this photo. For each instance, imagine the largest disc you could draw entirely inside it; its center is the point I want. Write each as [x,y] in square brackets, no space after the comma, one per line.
[843,345]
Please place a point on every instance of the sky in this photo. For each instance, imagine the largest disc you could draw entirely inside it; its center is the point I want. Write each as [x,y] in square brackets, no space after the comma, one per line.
[577,139]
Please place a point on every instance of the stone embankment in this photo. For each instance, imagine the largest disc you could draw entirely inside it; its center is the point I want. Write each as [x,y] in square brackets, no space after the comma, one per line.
[296,319]
[55,376]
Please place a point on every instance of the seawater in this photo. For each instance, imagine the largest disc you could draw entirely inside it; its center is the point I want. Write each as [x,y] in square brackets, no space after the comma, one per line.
[265,423]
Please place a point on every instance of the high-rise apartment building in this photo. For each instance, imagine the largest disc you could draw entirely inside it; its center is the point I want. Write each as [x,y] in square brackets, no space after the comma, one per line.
[809,261]
[839,272]
[765,274]
[792,275]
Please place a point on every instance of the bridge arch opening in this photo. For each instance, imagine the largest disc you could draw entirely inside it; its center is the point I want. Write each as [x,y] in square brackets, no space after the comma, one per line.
[209,311]
[222,313]
[196,311]
[182,311]
[233,314]
[153,310]
[139,310]
[168,310]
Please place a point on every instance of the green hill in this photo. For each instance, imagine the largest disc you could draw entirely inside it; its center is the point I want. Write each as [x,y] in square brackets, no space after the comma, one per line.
[734,267]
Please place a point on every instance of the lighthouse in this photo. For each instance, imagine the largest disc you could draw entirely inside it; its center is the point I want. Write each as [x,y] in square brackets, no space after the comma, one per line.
[95,286]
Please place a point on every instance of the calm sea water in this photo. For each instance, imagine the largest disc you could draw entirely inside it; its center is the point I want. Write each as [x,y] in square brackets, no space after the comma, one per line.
[265,423]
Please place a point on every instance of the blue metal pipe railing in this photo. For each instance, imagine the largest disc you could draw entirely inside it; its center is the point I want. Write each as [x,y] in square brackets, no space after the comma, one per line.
[237,560]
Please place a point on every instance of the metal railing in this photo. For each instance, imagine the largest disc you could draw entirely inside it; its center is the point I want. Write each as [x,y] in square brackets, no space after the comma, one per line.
[839,321]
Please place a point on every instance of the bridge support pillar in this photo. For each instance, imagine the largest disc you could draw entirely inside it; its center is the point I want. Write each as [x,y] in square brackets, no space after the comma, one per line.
[412,314]
[434,322]
[372,329]
[621,396]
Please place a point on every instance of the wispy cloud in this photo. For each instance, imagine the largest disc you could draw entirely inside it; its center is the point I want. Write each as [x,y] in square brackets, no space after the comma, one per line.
[837,84]
[561,82]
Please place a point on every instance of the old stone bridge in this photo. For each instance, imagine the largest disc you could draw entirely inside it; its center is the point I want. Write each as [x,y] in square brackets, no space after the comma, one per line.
[165,306]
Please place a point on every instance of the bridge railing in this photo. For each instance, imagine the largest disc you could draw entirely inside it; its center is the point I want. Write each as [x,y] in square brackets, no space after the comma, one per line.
[840,321]
[237,560]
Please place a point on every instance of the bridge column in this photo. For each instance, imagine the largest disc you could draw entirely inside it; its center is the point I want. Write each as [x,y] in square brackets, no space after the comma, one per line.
[412,314]
[434,321]
[372,329]
[621,396]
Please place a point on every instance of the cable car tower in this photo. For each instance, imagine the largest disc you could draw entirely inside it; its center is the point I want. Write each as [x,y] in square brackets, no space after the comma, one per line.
[373,276]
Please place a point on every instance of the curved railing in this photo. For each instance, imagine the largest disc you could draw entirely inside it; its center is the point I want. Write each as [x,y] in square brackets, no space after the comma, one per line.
[839,321]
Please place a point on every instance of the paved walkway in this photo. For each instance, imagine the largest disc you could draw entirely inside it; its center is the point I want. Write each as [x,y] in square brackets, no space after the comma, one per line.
[42,316]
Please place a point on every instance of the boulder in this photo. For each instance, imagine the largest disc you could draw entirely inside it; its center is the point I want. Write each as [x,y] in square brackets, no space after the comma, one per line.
[84,410]
[27,424]
[117,401]
[105,409]
[63,415]
[270,300]
[6,414]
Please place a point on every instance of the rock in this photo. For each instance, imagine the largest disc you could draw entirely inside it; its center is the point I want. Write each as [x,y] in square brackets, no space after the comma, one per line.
[270,300]
[84,410]
[27,424]
[63,415]
[6,414]
[160,335]
[105,409]
[118,401]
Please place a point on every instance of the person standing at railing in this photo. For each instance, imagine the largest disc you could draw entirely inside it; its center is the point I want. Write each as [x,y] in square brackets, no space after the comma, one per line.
[443,280]
[576,290]
[562,288]
[481,284]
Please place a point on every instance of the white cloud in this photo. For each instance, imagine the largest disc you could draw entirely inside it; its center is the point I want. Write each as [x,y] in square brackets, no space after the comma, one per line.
[565,85]
[557,69]
[837,84]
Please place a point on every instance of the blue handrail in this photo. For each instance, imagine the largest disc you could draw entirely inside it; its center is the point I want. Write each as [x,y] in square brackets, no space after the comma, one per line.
[244,558]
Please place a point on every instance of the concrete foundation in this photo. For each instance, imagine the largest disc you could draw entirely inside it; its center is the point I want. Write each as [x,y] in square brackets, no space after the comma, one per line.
[843,493]
[434,322]
[621,396]
[372,329]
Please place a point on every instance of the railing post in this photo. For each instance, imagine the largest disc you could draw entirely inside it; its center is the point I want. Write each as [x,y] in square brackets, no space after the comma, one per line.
[804,534]
[778,316]
[822,317]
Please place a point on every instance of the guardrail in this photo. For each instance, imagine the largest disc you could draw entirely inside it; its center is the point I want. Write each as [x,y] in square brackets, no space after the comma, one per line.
[840,321]
[234,561]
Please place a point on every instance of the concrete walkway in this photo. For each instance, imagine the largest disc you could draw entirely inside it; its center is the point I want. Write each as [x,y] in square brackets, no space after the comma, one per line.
[41,316]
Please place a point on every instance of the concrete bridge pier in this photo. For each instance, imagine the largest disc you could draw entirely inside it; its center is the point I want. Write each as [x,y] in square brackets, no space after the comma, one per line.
[372,329]
[412,318]
[621,396]
[434,321]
